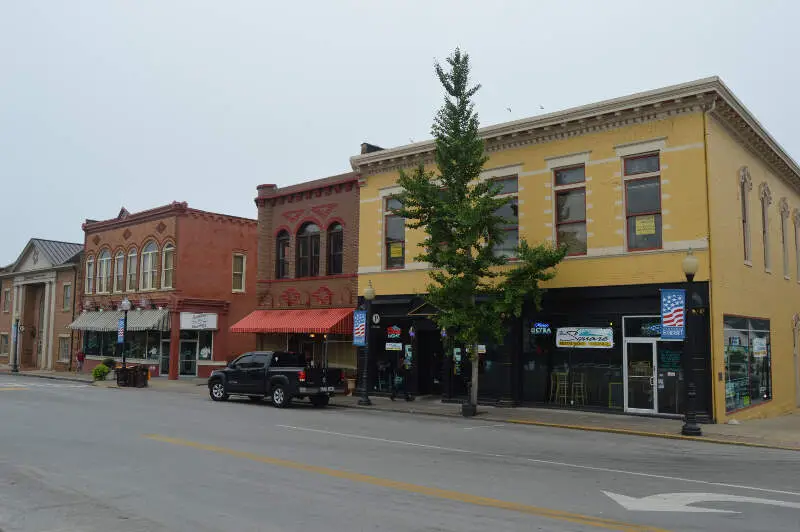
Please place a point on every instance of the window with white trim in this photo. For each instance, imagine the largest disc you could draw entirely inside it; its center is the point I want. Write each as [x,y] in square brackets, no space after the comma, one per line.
[133,268]
[570,207]
[119,271]
[508,188]
[745,186]
[167,265]
[67,297]
[63,349]
[642,180]
[103,271]
[766,200]
[7,300]
[335,263]
[89,287]
[239,266]
[149,274]
[4,349]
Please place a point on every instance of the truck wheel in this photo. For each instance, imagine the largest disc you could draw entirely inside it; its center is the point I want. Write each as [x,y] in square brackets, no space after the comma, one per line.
[217,391]
[320,401]
[280,399]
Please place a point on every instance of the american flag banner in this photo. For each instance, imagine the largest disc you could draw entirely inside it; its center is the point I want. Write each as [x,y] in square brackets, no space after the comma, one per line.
[360,327]
[673,314]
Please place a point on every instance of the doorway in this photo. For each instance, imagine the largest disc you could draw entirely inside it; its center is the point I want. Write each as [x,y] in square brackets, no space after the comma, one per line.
[165,357]
[653,376]
[188,360]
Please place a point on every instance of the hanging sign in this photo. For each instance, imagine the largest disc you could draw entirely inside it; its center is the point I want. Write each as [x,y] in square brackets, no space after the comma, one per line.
[673,310]
[121,331]
[393,332]
[360,327]
[645,225]
[585,337]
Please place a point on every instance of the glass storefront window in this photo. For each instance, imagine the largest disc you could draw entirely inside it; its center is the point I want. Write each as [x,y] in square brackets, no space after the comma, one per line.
[206,344]
[748,372]
[153,344]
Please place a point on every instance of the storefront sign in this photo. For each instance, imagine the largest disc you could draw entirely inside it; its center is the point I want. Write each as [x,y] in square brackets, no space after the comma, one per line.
[645,225]
[759,347]
[393,332]
[121,331]
[195,321]
[673,308]
[540,328]
[585,337]
[360,327]
[394,346]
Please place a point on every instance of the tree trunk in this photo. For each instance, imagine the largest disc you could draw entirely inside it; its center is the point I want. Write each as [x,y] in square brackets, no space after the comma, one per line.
[473,389]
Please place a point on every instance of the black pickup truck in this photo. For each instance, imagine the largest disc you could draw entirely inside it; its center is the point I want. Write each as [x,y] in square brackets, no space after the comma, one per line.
[283,376]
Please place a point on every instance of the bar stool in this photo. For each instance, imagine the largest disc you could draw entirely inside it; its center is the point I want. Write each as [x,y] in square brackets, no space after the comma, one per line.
[562,388]
[578,389]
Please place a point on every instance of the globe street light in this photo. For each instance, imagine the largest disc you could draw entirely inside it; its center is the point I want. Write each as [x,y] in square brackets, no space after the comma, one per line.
[690,426]
[369,295]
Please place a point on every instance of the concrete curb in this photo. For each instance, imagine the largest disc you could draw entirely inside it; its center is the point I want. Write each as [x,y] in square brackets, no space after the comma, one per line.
[49,377]
[586,428]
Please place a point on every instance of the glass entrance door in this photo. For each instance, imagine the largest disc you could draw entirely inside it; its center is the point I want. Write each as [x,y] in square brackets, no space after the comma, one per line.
[640,372]
[188,362]
[164,357]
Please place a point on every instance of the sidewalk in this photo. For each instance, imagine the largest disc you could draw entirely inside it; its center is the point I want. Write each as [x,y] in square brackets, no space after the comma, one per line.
[781,432]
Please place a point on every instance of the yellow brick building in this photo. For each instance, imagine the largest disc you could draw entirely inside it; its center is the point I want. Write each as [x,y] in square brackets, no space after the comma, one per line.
[630,185]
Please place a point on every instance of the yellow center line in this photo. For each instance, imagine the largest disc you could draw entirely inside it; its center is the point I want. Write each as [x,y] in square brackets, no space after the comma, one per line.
[467,498]
[12,388]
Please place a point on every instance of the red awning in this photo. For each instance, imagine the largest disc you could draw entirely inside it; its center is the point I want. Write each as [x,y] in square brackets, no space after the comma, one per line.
[321,321]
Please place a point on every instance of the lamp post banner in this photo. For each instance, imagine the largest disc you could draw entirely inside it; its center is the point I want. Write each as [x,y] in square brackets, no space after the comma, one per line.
[121,331]
[360,327]
[673,314]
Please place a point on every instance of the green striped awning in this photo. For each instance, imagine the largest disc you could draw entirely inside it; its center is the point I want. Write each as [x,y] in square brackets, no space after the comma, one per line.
[107,321]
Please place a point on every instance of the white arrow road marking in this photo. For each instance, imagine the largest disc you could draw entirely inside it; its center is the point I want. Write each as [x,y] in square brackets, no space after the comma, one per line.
[679,502]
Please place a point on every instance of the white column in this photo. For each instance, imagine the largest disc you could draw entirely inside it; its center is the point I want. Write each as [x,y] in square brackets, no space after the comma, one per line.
[44,327]
[52,328]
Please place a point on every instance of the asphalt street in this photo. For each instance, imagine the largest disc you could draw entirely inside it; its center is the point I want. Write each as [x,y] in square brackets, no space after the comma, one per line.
[81,458]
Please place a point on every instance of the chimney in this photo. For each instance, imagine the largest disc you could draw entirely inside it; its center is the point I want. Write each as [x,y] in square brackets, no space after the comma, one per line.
[369,148]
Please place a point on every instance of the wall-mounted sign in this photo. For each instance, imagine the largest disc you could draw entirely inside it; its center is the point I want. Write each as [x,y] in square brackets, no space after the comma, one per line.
[394,346]
[585,337]
[198,321]
[393,332]
[360,327]
[540,328]
[376,318]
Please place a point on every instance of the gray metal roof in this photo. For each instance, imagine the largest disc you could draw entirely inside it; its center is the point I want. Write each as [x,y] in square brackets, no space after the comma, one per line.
[57,253]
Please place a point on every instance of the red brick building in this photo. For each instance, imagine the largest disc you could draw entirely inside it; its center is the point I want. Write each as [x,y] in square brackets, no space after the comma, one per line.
[189,275]
[307,269]
[37,298]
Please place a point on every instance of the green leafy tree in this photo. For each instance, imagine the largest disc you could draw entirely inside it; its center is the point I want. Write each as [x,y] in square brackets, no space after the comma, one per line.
[472,283]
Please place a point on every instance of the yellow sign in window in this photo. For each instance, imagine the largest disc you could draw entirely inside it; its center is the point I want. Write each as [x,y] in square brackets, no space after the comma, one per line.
[645,225]
[396,250]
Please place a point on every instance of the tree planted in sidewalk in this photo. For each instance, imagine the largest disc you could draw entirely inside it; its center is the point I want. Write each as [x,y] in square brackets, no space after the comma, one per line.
[473,285]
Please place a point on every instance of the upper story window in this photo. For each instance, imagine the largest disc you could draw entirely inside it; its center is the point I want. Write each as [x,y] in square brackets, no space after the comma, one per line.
[239,266]
[7,300]
[167,265]
[307,256]
[89,284]
[509,240]
[745,186]
[282,243]
[766,200]
[643,202]
[132,269]
[119,271]
[570,207]
[67,297]
[335,249]
[103,272]
[394,234]
[149,267]
[796,220]
[783,206]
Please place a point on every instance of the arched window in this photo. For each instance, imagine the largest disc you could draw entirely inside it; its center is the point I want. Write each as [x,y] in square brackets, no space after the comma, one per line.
[282,255]
[132,269]
[103,271]
[745,186]
[335,249]
[89,284]
[167,265]
[149,275]
[119,271]
[766,200]
[307,256]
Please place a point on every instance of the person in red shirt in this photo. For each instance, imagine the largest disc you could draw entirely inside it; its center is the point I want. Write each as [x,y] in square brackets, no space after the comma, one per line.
[81,357]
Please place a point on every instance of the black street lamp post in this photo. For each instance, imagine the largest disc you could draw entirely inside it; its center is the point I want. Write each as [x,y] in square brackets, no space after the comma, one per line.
[690,426]
[17,340]
[369,295]
[125,305]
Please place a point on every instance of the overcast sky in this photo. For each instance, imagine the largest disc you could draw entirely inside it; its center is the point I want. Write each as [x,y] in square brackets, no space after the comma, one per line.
[109,103]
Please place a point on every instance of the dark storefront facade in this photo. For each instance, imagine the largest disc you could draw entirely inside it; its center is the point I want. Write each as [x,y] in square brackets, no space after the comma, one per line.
[593,348]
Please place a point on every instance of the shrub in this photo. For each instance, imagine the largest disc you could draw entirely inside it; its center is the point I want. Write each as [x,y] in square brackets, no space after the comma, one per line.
[109,362]
[99,372]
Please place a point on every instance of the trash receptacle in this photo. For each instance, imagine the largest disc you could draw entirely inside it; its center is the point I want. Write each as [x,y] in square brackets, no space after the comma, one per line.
[141,376]
[123,376]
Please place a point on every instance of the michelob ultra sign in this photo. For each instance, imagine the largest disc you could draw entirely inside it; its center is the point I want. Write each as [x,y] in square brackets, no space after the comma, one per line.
[585,337]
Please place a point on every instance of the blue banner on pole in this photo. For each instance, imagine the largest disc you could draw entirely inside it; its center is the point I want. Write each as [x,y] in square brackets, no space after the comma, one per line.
[121,331]
[673,314]
[360,327]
